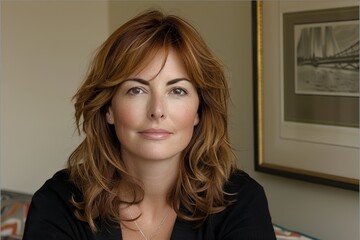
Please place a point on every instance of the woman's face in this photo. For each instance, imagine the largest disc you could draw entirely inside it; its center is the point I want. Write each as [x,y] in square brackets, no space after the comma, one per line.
[154,113]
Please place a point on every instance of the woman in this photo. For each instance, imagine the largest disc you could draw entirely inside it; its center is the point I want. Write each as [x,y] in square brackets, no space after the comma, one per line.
[156,161]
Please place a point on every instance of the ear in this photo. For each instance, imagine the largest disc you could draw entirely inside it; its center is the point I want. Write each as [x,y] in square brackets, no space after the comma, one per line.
[196,120]
[110,116]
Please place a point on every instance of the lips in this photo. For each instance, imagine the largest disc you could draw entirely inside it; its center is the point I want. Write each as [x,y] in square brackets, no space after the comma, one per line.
[156,134]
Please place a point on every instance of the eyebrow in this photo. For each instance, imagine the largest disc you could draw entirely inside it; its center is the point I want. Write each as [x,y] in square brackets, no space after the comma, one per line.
[145,82]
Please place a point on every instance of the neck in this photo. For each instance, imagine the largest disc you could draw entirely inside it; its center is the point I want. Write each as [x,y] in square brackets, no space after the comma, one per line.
[156,177]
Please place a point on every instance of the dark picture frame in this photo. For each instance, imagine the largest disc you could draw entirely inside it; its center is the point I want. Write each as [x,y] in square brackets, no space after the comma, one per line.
[268,156]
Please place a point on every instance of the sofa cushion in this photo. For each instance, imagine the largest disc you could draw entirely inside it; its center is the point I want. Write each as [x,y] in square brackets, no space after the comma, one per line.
[14,209]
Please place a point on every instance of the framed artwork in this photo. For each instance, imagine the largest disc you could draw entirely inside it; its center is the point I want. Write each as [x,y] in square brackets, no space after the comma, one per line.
[306,91]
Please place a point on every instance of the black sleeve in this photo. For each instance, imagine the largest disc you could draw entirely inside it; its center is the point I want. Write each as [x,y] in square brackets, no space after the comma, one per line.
[255,222]
[51,214]
[248,218]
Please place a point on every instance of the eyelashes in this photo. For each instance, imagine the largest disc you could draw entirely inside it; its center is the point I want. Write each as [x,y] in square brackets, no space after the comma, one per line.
[178,91]
[135,91]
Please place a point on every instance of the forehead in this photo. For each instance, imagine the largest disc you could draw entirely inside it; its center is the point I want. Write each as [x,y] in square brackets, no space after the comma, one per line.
[161,63]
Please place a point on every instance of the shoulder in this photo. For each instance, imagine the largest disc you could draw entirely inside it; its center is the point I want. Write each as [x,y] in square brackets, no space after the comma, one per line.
[245,193]
[240,182]
[248,215]
[51,213]
[54,195]
[59,187]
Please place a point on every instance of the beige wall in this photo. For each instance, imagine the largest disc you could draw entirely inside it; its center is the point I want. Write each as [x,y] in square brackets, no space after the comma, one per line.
[45,48]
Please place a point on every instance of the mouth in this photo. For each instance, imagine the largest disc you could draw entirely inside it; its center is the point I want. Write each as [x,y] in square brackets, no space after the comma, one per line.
[155,134]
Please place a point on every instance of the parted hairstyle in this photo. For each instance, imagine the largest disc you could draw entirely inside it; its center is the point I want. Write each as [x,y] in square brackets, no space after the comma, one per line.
[96,167]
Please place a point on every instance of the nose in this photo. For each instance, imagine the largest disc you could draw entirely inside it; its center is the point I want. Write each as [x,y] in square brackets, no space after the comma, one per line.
[157,109]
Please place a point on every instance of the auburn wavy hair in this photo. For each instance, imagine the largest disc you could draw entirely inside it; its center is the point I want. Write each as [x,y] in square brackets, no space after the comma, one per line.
[96,166]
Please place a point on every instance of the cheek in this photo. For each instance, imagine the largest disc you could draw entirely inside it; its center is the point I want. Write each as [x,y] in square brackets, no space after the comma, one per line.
[186,117]
[125,117]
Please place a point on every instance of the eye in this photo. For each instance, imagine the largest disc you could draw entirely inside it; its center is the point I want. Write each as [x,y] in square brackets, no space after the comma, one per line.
[179,91]
[135,91]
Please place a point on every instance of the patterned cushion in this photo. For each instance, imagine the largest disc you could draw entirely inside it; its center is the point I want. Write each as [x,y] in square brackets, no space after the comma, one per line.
[14,208]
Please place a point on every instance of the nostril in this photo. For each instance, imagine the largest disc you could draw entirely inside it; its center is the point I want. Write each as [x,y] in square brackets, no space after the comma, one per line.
[157,116]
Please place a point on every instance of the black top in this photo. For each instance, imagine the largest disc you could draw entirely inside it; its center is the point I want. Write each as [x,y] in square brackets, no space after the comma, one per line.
[51,215]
